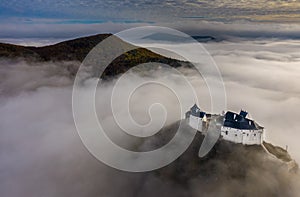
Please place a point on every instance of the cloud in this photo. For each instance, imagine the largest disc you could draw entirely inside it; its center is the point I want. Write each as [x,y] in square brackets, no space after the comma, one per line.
[261,77]
[38,42]
[45,30]
[59,31]
[18,76]
[242,29]
[41,153]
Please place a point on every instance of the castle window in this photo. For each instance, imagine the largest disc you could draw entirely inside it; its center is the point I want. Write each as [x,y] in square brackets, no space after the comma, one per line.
[255,134]
[247,134]
[226,132]
[235,135]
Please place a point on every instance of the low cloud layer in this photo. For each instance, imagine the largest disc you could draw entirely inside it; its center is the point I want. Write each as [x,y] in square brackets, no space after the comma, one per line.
[41,153]
[194,27]
[262,78]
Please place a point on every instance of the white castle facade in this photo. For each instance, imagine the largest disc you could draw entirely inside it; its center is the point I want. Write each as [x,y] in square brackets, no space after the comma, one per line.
[235,127]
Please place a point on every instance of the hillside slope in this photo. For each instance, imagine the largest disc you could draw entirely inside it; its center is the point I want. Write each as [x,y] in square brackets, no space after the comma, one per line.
[228,170]
[77,49]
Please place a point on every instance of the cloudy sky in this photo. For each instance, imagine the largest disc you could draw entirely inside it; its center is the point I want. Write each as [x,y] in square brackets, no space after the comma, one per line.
[72,18]
[92,11]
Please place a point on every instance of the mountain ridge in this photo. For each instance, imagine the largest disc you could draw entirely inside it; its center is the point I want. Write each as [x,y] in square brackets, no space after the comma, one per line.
[77,49]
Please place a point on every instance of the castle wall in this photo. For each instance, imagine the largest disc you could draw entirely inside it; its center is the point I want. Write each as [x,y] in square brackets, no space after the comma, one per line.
[242,136]
[195,122]
[247,137]
[232,134]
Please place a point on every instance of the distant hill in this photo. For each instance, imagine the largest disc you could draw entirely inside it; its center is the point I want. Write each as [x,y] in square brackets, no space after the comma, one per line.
[77,49]
[71,50]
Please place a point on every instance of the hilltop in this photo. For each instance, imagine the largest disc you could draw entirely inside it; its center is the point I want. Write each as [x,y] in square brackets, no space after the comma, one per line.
[77,49]
[229,168]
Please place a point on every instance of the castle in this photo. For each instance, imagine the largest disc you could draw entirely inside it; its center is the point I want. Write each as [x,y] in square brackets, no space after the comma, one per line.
[236,128]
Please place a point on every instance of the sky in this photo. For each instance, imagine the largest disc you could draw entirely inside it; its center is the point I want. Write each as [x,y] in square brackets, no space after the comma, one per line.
[153,10]
[73,18]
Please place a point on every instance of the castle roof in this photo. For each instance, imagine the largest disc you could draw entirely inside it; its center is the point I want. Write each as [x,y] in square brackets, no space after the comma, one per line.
[195,111]
[239,121]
